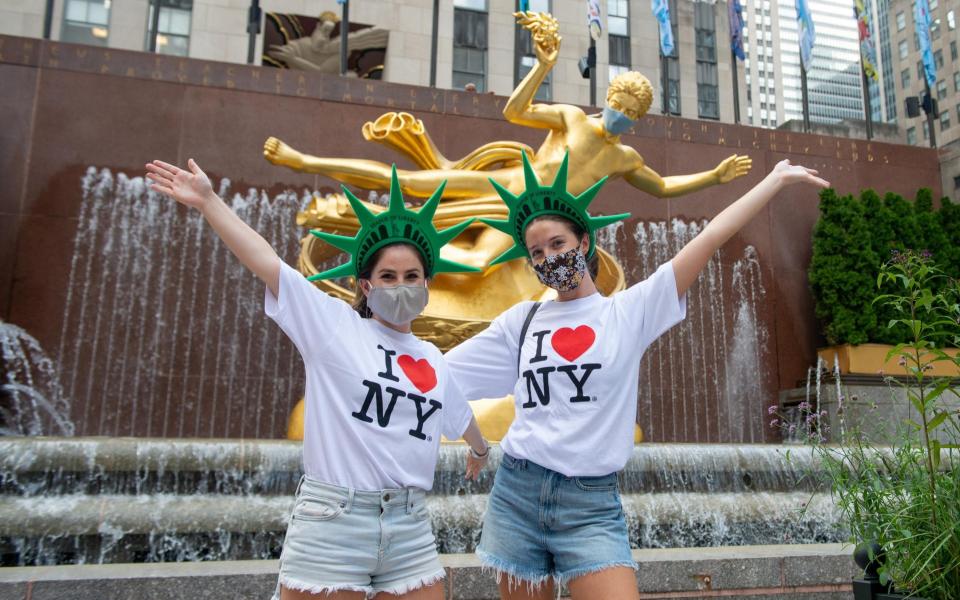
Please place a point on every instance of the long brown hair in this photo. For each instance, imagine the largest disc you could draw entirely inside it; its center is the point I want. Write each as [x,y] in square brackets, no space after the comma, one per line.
[593,263]
[366,271]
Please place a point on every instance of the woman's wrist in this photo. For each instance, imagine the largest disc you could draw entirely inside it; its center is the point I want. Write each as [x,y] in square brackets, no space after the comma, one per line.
[484,453]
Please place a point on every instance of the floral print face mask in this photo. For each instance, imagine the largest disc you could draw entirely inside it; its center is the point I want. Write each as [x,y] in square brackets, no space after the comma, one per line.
[562,272]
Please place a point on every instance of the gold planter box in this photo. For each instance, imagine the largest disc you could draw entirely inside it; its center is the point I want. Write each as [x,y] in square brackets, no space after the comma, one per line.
[870,359]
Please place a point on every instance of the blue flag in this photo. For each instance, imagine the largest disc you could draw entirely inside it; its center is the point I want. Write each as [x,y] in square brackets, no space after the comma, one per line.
[661,11]
[807,33]
[735,15]
[921,16]
[524,5]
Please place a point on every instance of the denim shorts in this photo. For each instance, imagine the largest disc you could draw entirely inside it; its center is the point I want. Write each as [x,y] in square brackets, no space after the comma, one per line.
[541,524]
[372,542]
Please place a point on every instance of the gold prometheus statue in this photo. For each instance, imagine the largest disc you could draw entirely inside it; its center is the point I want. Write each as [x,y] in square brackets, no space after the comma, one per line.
[462,304]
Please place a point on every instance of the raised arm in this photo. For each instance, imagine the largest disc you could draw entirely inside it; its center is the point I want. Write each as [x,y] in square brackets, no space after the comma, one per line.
[520,108]
[646,179]
[192,188]
[688,263]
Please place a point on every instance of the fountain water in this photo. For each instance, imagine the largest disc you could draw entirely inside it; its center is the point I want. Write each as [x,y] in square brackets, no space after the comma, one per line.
[31,399]
[154,344]
[90,500]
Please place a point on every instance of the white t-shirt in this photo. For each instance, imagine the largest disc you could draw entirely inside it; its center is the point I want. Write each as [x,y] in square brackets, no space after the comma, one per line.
[576,395]
[377,400]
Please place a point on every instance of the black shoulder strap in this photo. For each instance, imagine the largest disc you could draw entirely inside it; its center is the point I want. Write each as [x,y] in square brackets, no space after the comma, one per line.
[523,331]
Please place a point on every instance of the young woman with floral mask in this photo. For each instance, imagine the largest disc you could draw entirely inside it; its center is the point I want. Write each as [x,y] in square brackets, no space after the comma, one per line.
[554,514]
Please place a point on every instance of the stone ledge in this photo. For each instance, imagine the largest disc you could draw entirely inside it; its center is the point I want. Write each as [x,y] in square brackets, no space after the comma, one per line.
[807,572]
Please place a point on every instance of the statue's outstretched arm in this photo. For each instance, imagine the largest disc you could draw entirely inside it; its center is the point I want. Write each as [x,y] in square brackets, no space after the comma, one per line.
[646,179]
[520,108]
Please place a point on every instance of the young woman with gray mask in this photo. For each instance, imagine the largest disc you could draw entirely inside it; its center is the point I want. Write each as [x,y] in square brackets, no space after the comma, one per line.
[377,399]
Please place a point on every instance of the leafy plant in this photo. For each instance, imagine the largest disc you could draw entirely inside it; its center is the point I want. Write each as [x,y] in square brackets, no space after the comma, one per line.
[906,496]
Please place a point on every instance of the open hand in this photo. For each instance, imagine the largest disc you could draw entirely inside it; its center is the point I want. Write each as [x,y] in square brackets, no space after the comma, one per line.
[733,167]
[475,465]
[788,174]
[191,188]
[545,31]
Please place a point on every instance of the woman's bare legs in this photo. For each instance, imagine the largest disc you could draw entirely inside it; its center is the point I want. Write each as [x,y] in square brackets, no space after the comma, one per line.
[615,583]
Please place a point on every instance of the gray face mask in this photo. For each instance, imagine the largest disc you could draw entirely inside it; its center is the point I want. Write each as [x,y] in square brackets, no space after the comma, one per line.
[399,304]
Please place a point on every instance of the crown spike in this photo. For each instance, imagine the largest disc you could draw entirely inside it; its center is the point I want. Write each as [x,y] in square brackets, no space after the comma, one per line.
[429,207]
[504,226]
[396,193]
[512,253]
[341,242]
[448,266]
[363,213]
[560,181]
[447,235]
[344,270]
[506,195]
[584,199]
[602,221]
[530,179]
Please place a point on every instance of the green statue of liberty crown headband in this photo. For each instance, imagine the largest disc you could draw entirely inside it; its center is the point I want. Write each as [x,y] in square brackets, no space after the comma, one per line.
[396,224]
[537,200]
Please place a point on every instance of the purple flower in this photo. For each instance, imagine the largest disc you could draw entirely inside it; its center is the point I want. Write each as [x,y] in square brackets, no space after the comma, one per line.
[804,405]
[772,409]
[774,422]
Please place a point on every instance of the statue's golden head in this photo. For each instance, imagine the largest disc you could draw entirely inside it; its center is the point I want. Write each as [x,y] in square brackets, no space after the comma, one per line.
[631,94]
[329,15]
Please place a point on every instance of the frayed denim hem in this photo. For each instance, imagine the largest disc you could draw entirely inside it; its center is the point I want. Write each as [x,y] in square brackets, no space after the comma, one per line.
[567,577]
[301,586]
[414,583]
[515,576]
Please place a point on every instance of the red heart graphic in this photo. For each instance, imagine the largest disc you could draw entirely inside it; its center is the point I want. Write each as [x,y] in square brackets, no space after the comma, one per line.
[419,372]
[571,343]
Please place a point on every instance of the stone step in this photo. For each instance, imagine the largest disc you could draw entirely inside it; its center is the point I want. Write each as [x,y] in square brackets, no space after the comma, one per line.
[800,572]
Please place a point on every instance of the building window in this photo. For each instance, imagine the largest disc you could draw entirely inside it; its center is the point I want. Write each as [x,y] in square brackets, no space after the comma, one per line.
[941,89]
[926,133]
[905,78]
[956,182]
[934,4]
[904,48]
[935,29]
[938,59]
[956,81]
[945,120]
[953,50]
[951,21]
[708,95]
[173,28]
[86,22]
[920,70]
[912,135]
[673,65]
[526,55]
[618,23]
[470,44]
[901,21]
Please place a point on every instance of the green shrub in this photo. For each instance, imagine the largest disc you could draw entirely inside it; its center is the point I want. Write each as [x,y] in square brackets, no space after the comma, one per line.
[854,237]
